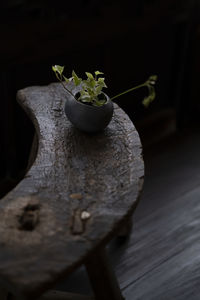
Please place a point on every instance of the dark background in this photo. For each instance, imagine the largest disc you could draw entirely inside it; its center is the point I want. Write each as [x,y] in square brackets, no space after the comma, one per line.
[127,40]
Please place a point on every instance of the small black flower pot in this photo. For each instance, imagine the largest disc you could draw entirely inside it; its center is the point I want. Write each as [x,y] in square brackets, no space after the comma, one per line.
[86,117]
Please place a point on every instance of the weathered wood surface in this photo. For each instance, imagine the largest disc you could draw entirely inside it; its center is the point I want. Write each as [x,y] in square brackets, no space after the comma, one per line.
[161,257]
[78,192]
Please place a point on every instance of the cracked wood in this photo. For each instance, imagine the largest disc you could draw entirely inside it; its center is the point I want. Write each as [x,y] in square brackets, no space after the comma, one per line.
[78,192]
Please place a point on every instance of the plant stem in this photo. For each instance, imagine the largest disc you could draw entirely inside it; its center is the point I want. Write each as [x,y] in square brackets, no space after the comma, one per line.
[60,79]
[68,90]
[130,90]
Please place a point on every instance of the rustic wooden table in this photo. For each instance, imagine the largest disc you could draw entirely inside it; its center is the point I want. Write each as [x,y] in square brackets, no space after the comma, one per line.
[79,191]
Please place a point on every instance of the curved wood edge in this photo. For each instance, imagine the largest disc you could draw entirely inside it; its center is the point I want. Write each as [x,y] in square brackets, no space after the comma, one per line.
[56,239]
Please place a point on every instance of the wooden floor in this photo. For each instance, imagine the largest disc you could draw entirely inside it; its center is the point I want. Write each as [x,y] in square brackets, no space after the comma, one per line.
[161,258]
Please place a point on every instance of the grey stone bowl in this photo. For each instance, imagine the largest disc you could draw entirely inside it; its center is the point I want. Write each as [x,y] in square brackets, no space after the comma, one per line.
[88,118]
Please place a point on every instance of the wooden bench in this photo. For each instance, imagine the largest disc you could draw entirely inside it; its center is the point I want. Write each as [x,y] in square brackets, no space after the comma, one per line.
[79,191]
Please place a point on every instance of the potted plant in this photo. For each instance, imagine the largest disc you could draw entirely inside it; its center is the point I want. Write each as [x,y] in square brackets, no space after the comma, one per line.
[87,106]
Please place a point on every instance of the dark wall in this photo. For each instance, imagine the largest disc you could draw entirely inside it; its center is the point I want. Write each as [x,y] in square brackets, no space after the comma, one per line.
[127,40]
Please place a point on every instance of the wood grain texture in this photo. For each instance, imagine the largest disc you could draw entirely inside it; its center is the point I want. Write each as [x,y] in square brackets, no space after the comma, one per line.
[160,259]
[169,269]
[165,232]
[78,192]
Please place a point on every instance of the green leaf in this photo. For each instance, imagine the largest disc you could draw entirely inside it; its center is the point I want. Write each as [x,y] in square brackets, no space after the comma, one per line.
[89,75]
[98,73]
[102,82]
[83,93]
[99,102]
[146,101]
[91,91]
[152,94]
[98,90]
[152,79]
[66,79]
[85,98]
[92,83]
[77,80]
[58,69]
[89,83]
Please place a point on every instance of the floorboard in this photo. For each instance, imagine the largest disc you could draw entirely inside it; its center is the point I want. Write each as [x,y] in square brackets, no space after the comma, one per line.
[161,259]
[160,242]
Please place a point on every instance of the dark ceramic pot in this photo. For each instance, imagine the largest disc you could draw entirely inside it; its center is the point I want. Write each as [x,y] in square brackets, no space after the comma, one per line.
[89,118]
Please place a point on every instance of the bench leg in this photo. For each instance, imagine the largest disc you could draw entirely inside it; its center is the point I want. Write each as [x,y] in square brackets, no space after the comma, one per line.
[102,277]
[126,229]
